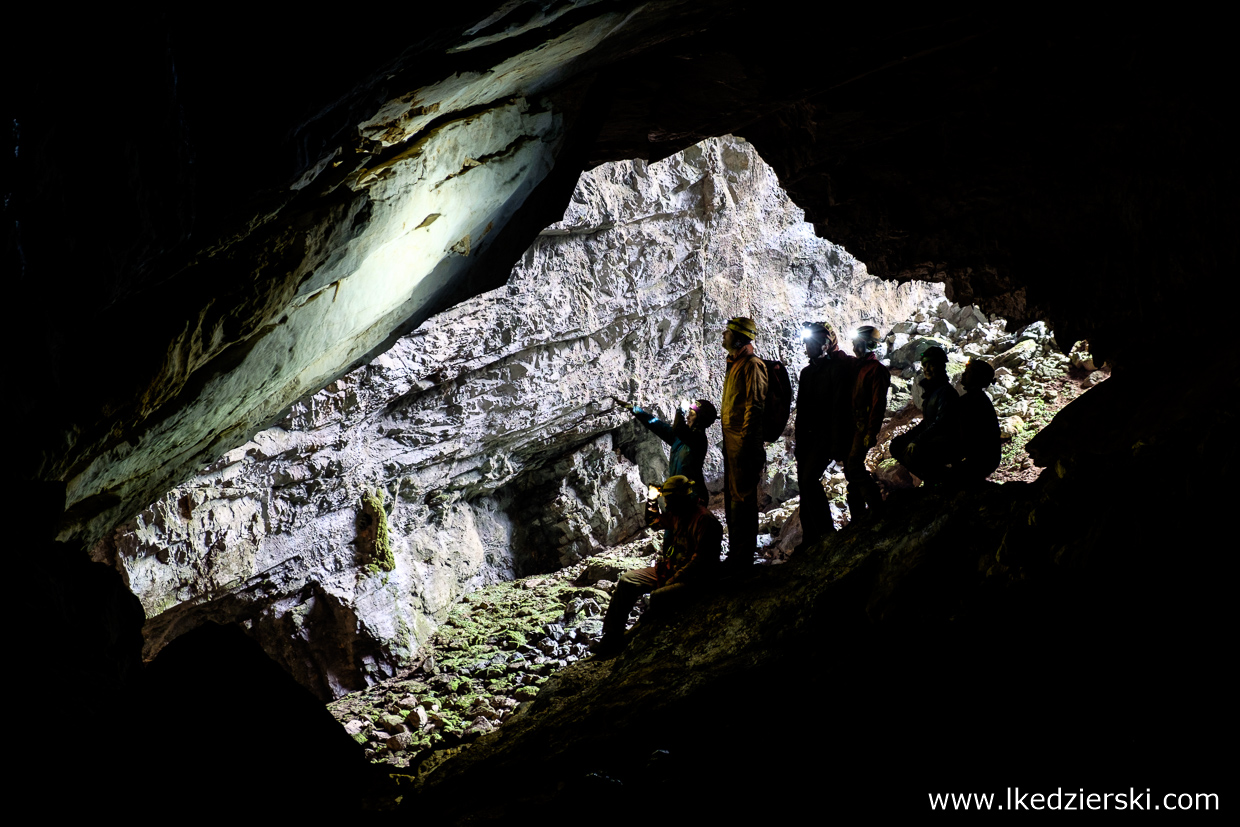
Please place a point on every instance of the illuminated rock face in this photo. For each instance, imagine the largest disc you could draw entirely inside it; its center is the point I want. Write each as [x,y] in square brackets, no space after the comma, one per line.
[406,210]
[179,328]
[490,428]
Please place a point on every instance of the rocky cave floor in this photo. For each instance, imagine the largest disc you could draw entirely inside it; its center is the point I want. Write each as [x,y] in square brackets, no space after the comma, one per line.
[502,642]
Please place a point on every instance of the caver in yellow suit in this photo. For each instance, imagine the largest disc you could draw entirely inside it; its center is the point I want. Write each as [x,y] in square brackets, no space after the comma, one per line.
[744,394]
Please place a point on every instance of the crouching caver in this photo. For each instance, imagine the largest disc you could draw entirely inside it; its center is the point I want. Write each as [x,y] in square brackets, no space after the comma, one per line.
[692,557]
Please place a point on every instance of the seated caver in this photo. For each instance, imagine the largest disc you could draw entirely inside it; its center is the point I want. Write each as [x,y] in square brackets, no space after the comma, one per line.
[978,451]
[928,447]
[691,558]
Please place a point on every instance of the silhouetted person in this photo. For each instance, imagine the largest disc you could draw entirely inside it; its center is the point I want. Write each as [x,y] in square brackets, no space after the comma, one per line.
[928,447]
[691,558]
[978,451]
[869,406]
[744,399]
[686,438]
[824,423]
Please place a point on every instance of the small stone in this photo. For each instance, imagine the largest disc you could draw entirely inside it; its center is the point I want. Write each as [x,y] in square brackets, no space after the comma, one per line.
[407,702]
[355,726]
[392,723]
[417,717]
[1011,426]
[399,742]
[600,570]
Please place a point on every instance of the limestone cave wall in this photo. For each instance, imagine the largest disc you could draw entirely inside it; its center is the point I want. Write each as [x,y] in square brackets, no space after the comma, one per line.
[489,429]
[202,212]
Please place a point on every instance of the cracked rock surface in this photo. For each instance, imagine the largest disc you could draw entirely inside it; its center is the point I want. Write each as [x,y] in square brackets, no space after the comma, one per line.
[489,429]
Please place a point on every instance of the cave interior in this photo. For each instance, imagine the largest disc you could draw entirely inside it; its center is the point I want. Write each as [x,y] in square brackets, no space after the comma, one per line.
[192,191]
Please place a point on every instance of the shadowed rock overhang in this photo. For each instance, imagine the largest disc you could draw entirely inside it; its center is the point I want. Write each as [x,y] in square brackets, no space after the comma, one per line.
[245,231]
[211,217]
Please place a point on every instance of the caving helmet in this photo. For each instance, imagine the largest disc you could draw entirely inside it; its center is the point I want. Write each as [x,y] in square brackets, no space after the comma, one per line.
[676,486]
[744,326]
[820,331]
[935,355]
[706,413]
[980,371]
[867,337]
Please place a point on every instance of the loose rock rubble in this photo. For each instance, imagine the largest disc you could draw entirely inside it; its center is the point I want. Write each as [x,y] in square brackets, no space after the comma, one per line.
[496,648]
[502,642]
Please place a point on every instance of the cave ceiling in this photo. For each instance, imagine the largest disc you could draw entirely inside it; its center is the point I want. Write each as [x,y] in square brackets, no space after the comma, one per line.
[214,216]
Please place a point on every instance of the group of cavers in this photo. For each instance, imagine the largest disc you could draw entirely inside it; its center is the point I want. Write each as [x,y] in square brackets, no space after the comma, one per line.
[841,403]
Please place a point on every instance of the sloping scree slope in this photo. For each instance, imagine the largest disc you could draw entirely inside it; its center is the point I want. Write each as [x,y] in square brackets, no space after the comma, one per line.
[1032,634]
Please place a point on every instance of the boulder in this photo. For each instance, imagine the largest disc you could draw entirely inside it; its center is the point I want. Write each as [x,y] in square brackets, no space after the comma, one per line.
[1010,426]
[1017,356]
[910,354]
[600,570]
[392,724]
[1082,359]
[400,742]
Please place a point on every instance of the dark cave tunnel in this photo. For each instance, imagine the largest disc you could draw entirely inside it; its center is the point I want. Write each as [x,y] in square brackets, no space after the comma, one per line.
[1079,174]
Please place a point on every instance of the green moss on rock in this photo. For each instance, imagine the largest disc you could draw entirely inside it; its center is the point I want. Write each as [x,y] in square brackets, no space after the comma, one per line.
[375,530]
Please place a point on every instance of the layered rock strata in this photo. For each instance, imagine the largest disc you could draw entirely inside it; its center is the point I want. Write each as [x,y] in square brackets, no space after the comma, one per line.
[489,431]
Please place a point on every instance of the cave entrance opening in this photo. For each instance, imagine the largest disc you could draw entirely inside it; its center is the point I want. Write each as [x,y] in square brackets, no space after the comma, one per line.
[442,527]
